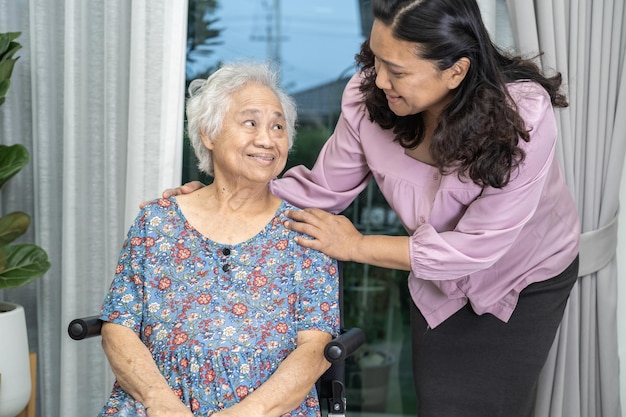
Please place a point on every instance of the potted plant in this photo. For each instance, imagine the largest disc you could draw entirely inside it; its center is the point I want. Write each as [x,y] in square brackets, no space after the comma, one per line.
[19,263]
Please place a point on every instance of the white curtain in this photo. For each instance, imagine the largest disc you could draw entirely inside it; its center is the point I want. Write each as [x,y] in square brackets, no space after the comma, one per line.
[97,97]
[586,41]
[621,287]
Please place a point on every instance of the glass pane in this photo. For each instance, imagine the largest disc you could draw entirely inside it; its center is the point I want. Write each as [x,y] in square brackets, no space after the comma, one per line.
[315,42]
[378,377]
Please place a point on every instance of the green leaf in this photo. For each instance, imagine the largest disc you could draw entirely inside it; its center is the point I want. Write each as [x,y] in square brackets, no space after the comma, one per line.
[4,87]
[3,260]
[6,68]
[12,48]
[6,39]
[12,160]
[8,48]
[12,226]
[25,263]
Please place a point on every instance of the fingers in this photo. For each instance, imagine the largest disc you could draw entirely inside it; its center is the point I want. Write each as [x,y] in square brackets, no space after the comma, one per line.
[308,243]
[310,223]
[183,189]
[191,186]
[300,228]
[303,222]
[309,215]
[170,192]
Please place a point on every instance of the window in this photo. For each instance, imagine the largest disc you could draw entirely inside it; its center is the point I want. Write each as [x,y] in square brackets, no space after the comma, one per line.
[315,44]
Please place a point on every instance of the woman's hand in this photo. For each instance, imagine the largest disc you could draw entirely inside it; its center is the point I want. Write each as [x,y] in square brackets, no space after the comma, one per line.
[187,188]
[298,371]
[337,237]
[183,189]
[334,235]
[138,374]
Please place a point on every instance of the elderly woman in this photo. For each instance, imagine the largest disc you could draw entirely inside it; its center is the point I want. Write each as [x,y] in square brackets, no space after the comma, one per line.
[214,309]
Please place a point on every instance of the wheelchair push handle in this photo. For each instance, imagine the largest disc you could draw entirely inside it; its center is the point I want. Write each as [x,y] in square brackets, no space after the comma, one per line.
[84,327]
[344,345]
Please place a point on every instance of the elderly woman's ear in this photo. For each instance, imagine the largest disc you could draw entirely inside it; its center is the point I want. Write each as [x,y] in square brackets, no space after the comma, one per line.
[208,143]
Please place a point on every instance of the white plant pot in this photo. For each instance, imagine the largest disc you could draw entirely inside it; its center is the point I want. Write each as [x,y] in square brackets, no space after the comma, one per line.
[15,382]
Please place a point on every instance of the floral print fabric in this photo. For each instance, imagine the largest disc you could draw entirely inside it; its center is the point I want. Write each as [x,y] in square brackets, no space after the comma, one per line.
[218,319]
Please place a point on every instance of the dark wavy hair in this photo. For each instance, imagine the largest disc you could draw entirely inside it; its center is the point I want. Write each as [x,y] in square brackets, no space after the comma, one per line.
[478,132]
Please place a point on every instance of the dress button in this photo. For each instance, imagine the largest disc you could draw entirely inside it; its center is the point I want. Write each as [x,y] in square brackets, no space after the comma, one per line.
[226,251]
[422,219]
[226,268]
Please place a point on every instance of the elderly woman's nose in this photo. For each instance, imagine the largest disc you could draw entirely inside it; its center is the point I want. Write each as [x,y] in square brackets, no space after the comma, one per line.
[263,136]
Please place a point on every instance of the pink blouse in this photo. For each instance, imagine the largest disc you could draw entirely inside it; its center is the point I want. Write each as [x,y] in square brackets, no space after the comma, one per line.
[467,243]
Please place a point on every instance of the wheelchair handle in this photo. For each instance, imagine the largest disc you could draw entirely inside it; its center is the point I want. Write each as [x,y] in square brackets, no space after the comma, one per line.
[84,327]
[344,345]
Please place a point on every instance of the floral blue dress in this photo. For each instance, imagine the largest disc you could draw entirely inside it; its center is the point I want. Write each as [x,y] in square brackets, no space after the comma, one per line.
[218,319]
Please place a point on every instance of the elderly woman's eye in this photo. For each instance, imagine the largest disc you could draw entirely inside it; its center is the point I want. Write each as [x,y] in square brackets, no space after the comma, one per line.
[250,123]
[278,126]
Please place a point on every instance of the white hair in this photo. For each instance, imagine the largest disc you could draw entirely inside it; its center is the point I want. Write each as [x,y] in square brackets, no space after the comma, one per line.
[209,101]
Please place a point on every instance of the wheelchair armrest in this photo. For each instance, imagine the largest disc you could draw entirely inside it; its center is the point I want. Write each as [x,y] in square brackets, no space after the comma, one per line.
[338,349]
[84,327]
[335,351]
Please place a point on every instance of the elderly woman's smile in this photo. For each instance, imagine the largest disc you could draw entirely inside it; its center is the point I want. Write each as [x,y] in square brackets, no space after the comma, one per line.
[268,158]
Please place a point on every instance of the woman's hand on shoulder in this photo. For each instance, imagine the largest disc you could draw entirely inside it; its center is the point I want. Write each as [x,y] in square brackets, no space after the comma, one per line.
[334,235]
[187,188]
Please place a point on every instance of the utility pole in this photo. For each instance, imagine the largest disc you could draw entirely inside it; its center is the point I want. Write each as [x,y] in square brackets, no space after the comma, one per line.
[275,37]
[273,32]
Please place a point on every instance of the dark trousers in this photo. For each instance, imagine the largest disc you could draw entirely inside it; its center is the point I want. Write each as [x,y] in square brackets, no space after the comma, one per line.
[479,366]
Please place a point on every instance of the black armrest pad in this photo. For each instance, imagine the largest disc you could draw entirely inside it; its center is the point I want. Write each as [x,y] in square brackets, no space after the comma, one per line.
[84,327]
[344,345]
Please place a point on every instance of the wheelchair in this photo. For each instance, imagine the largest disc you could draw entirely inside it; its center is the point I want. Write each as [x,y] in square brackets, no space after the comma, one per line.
[330,386]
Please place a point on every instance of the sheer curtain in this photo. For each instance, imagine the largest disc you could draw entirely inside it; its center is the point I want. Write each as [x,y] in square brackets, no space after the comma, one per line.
[585,40]
[621,286]
[97,97]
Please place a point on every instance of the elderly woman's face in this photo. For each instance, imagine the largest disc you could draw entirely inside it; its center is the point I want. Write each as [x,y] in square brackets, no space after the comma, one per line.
[253,143]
